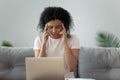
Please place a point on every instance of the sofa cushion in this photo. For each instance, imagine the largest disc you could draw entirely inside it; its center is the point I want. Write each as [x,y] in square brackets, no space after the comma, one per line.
[99,63]
[12,62]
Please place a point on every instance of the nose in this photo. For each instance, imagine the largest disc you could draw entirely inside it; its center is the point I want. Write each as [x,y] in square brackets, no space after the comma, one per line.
[54,30]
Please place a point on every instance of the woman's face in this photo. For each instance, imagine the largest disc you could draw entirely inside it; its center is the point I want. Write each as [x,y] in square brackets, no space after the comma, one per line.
[54,27]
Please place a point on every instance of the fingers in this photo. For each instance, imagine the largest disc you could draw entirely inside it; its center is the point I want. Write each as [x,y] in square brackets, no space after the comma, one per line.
[46,27]
[45,32]
[63,27]
[63,32]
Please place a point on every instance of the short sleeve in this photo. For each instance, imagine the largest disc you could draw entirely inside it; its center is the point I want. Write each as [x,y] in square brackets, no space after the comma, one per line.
[74,42]
[37,43]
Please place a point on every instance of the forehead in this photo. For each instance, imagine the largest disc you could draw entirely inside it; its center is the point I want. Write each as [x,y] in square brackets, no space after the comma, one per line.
[54,23]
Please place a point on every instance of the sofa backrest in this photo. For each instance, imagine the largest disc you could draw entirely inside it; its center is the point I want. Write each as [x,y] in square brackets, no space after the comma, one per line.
[12,62]
[99,63]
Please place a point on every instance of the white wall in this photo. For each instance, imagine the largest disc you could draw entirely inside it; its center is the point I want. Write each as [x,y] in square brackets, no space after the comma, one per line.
[19,19]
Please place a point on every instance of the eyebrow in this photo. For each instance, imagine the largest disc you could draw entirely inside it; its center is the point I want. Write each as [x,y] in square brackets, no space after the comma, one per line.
[54,26]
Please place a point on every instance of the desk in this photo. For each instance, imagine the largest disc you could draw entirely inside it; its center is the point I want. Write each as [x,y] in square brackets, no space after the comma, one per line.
[79,79]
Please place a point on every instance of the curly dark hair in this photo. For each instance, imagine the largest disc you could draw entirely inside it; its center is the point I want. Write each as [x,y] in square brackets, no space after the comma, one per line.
[52,13]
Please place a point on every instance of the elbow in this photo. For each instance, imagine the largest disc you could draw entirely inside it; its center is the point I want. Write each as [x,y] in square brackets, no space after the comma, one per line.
[72,69]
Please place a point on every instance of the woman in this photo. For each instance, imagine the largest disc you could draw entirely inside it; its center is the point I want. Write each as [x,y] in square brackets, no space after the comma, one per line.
[56,40]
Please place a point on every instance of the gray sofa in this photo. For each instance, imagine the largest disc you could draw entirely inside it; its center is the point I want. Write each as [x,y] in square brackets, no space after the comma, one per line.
[12,62]
[98,63]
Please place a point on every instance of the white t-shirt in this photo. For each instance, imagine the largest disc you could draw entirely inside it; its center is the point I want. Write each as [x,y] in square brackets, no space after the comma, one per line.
[54,48]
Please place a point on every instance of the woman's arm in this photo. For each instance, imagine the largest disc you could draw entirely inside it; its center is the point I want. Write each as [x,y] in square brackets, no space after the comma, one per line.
[40,52]
[71,57]
[36,52]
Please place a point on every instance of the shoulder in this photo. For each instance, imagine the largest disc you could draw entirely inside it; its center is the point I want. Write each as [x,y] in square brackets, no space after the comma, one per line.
[37,38]
[73,36]
[74,42]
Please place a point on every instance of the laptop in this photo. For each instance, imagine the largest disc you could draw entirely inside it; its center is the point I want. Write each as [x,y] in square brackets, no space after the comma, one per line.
[44,68]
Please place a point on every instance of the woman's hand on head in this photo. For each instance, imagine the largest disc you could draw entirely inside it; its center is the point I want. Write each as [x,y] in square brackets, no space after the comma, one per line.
[63,34]
[45,34]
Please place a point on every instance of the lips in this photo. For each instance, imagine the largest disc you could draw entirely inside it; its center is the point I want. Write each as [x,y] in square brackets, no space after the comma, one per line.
[55,35]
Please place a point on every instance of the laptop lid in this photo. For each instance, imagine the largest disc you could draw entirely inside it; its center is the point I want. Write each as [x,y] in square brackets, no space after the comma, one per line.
[44,68]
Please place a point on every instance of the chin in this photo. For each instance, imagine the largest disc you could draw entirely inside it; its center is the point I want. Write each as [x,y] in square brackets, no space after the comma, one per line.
[55,37]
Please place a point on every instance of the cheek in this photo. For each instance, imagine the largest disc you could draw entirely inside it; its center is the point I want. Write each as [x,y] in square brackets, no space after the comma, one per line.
[59,30]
